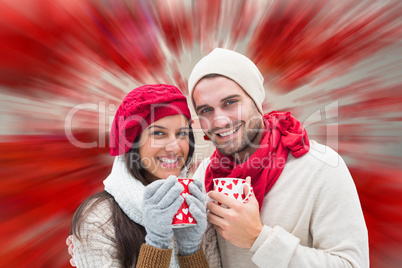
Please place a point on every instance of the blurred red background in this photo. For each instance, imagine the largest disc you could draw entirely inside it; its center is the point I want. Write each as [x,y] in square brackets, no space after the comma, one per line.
[65,65]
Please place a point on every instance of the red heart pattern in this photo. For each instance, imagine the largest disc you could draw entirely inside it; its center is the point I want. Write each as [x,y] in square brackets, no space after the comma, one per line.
[185,183]
[232,188]
[183,216]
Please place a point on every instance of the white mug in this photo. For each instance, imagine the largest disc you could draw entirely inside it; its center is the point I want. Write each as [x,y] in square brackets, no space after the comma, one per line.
[233,187]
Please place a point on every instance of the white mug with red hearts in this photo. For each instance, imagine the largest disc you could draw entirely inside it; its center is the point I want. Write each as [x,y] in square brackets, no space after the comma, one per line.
[183,218]
[233,187]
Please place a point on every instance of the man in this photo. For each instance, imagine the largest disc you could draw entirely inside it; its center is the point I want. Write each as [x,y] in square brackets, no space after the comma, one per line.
[306,211]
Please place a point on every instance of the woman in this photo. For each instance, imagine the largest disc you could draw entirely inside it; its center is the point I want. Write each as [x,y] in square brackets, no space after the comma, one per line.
[129,224]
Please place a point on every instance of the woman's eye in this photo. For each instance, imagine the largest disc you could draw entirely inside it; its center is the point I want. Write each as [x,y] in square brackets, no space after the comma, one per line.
[182,133]
[157,133]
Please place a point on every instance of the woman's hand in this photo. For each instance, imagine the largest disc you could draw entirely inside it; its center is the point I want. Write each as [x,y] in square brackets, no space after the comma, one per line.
[161,201]
[189,238]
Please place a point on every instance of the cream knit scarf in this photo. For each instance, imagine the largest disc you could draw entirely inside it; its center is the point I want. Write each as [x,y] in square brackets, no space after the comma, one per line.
[128,193]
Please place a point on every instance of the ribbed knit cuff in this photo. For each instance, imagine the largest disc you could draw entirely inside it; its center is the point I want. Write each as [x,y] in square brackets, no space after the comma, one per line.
[151,257]
[265,232]
[197,260]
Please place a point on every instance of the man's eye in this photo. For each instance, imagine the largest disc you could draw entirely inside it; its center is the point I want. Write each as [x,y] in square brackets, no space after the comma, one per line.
[206,110]
[230,102]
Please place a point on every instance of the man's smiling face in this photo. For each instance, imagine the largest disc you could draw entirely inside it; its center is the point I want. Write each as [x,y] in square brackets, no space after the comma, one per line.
[228,116]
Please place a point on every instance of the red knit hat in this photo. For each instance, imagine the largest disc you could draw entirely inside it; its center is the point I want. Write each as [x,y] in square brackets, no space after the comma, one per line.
[141,107]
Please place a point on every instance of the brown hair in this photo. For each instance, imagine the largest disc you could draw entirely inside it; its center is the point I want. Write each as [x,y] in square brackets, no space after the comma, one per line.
[128,234]
[213,76]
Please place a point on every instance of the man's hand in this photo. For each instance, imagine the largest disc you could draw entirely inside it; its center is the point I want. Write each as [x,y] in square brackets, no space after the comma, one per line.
[69,243]
[239,223]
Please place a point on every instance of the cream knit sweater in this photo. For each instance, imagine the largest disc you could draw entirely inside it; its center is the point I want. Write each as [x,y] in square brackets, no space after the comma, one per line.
[312,218]
[98,246]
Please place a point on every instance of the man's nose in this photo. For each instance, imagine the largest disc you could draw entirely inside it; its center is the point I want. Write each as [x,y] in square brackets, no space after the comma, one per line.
[221,120]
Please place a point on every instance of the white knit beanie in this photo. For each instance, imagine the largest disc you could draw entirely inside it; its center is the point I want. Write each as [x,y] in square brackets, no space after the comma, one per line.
[233,65]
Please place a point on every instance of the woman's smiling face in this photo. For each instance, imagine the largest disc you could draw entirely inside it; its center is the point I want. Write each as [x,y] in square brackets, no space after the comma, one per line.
[164,147]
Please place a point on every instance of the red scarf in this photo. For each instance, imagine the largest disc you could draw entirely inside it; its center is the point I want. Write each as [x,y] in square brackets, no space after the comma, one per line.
[283,133]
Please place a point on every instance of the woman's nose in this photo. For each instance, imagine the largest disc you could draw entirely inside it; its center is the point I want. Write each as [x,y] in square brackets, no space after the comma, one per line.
[173,146]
